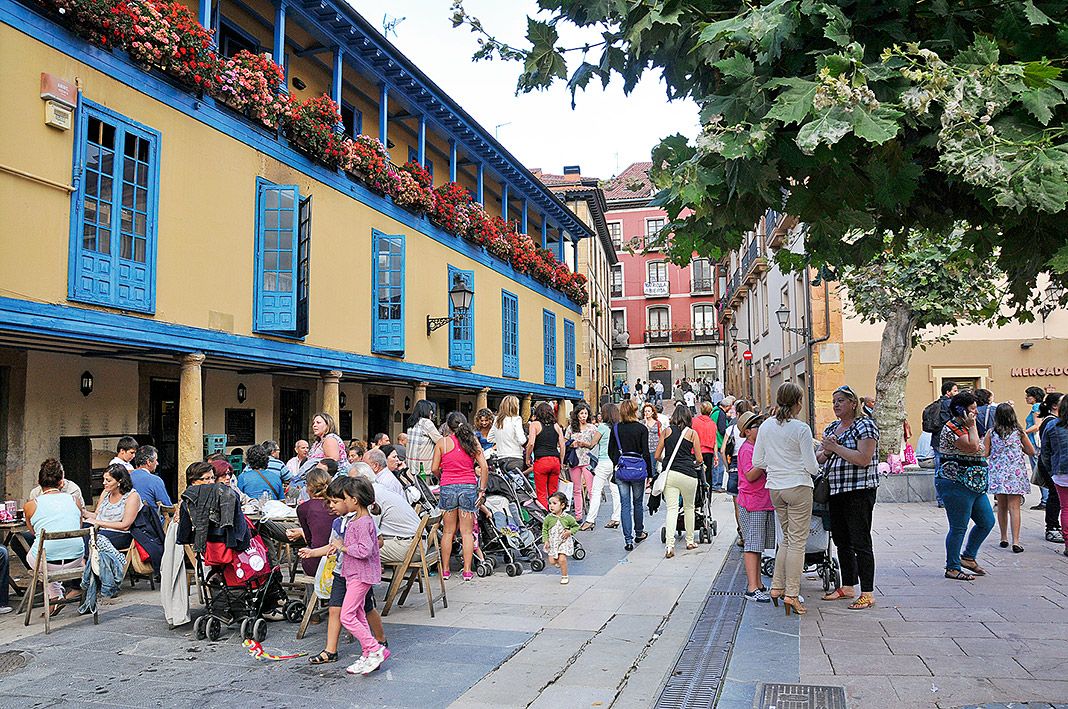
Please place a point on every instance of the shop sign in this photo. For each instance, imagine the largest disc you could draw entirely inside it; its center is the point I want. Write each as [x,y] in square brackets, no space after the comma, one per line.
[1038,371]
[656,288]
[660,365]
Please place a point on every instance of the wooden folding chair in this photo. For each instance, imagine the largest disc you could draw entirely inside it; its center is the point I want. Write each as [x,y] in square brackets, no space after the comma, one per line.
[311,602]
[169,513]
[414,569]
[40,571]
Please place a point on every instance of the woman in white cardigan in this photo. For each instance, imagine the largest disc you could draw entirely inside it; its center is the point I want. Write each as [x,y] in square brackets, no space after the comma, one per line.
[507,435]
[785,451]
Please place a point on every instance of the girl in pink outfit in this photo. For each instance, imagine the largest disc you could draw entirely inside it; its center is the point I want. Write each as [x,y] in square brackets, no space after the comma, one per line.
[360,565]
[756,513]
[584,437]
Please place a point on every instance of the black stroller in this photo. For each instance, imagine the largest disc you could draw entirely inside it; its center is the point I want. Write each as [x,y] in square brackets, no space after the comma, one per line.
[705,525]
[516,485]
[819,554]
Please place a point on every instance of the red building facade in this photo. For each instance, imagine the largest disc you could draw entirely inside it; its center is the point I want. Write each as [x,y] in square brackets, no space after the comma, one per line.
[664,320]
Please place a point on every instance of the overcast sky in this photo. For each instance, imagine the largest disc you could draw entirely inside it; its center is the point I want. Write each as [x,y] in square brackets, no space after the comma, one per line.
[607,130]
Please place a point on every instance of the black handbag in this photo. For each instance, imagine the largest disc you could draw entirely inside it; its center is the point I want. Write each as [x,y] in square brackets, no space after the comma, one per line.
[821,489]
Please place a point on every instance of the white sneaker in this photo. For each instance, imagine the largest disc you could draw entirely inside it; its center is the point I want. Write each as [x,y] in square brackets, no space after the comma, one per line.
[356,668]
[4,610]
[564,580]
[372,661]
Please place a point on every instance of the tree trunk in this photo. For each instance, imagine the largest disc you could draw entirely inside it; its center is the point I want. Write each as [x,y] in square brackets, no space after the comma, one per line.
[894,355]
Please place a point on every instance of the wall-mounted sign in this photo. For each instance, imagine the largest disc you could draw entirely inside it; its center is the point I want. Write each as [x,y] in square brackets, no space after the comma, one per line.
[1038,371]
[656,288]
[660,365]
[747,356]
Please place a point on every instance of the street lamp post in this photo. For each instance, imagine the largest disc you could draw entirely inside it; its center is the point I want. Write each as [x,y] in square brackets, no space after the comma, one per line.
[460,296]
[783,316]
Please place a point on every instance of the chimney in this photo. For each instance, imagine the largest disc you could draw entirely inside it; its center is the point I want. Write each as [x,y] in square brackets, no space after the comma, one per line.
[572,170]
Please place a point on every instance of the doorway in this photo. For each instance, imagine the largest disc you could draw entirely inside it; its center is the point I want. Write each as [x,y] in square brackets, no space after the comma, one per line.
[378,415]
[293,418]
[163,423]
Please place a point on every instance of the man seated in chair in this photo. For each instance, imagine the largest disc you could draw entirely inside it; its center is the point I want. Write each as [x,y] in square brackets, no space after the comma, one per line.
[398,522]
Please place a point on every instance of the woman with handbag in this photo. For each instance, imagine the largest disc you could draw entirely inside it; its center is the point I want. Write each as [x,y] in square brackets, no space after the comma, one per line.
[785,452]
[961,481]
[848,455]
[629,451]
[681,471]
[582,436]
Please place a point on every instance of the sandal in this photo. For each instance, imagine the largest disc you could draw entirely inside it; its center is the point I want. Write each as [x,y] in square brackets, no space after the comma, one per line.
[586,526]
[958,575]
[612,524]
[863,603]
[1016,548]
[691,546]
[972,565]
[838,594]
[323,658]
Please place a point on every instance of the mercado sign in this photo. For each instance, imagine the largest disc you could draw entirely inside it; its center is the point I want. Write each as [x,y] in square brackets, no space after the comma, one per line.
[1038,371]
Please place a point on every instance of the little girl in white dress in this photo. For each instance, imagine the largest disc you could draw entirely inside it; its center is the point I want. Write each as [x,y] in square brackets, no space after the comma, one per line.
[556,533]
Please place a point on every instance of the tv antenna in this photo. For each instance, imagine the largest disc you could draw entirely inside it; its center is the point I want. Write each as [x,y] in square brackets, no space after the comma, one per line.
[389,25]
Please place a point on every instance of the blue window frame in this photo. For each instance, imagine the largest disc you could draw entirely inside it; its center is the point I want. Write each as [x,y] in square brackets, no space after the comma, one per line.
[548,322]
[509,334]
[413,156]
[113,220]
[462,330]
[569,354]
[283,243]
[387,293]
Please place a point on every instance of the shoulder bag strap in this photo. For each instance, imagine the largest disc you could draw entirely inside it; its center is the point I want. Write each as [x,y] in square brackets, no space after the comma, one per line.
[677,446]
[266,481]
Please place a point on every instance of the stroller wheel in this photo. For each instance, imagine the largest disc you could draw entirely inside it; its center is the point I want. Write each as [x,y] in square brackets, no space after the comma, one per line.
[580,553]
[492,563]
[536,564]
[246,631]
[767,566]
[483,570]
[198,628]
[663,535]
[294,611]
[836,575]
[214,629]
[518,570]
[702,536]
[715,528]
[259,630]
[512,569]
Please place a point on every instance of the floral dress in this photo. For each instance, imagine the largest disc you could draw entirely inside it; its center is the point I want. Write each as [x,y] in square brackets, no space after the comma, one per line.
[1010,473]
[553,529]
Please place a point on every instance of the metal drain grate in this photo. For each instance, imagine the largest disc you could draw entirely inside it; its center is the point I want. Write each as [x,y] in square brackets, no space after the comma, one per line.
[801,696]
[12,661]
[695,680]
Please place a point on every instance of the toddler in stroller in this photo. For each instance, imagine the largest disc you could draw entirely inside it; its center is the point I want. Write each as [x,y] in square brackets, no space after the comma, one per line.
[231,564]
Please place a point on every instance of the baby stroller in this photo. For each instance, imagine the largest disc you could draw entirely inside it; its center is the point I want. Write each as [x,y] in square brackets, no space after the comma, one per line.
[518,488]
[705,525]
[515,539]
[819,555]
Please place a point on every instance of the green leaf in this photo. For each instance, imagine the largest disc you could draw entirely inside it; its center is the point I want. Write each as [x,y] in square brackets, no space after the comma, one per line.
[1034,15]
[837,27]
[837,64]
[1059,262]
[794,104]
[983,52]
[1038,74]
[877,127]
[736,66]
[827,128]
[1041,102]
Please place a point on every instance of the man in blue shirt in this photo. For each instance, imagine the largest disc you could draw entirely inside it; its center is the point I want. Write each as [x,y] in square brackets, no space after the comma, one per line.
[148,485]
[257,478]
[274,462]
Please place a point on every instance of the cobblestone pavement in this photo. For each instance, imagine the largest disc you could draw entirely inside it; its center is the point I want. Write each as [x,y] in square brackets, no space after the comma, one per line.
[929,642]
[610,637]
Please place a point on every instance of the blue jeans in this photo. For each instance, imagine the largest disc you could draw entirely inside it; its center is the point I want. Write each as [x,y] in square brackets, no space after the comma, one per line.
[631,499]
[716,473]
[963,504]
[938,468]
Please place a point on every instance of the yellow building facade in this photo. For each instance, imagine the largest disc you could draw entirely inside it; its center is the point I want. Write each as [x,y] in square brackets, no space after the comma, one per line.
[171,270]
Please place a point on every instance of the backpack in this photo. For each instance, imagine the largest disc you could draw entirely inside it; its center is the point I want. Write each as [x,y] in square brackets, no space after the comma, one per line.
[932,417]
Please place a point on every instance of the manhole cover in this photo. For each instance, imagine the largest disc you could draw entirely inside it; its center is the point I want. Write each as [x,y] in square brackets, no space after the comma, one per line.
[12,661]
[801,696]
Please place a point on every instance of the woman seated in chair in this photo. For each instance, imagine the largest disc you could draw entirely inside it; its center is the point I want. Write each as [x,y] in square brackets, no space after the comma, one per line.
[118,507]
[55,511]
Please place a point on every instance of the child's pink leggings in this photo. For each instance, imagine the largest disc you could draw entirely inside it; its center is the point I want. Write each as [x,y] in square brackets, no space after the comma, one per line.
[353,617]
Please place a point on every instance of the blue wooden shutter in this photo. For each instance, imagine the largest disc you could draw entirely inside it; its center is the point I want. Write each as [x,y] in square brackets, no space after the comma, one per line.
[462,331]
[549,337]
[277,252]
[387,294]
[509,334]
[113,229]
[303,266]
[569,354]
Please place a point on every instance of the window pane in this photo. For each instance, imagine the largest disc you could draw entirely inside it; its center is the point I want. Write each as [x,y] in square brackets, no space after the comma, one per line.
[89,237]
[270,261]
[140,224]
[130,146]
[128,169]
[103,241]
[126,247]
[285,281]
[271,240]
[142,151]
[270,281]
[285,260]
[271,219]
[107,135]
[92,157]
[106,186]
[107,162]
[140,246]
[285,199]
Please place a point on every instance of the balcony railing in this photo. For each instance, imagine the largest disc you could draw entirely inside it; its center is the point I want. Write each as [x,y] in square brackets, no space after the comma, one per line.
[616,290]
[701,285]
[681,335]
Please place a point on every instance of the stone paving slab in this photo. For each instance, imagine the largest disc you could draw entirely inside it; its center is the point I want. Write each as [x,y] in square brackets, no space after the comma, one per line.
[931,642]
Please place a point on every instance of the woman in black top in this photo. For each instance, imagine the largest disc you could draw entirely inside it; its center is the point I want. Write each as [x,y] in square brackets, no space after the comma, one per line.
[676,451]
[545,448]
[632,439]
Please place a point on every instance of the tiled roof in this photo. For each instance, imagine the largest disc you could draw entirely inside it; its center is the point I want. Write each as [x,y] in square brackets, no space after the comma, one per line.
[632,183]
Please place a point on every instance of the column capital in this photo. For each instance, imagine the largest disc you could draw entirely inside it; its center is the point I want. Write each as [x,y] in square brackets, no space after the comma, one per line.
[332,377]
[484,390]
[192,359]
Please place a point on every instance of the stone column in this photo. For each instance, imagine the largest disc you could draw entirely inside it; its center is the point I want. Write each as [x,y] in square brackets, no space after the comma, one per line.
[190,414]
[562,413]
[482,402]
[420,391]
[332,394]
[524,408]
